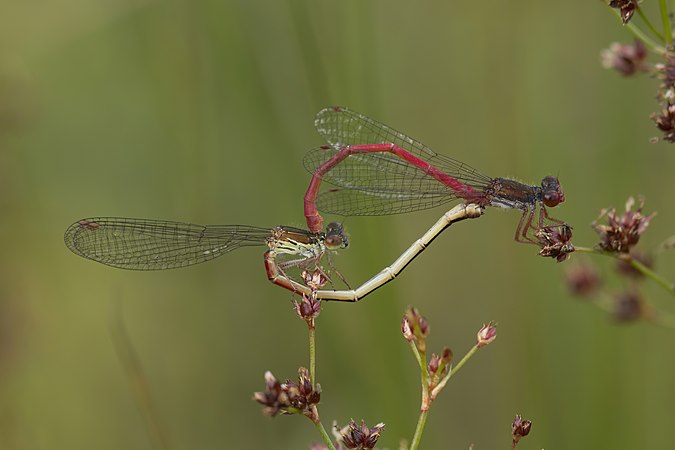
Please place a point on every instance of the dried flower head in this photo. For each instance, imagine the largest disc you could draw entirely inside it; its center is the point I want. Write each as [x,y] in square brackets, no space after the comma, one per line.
[486,334]
[290,397]
[438,365]
[415,327]
[622,232]
[273,398]
[665,121]
[626,8]
[434,364]
[361,437]
[628,306]
[627,59]
[519,429]
[665,72]
[315,280]
[555,241]
[308,308]
[302,395]
[407,330]
[582,280]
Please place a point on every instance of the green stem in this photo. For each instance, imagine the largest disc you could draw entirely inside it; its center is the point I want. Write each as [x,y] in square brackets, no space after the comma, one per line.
[452,371]
[324,435]
[312,354]
[418,357]
[646,271]
[665,19]
[653,45]
[418,431]
[463,361]
[649,24]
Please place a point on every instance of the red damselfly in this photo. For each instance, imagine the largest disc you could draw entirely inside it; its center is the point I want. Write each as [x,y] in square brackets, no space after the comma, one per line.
[381,171]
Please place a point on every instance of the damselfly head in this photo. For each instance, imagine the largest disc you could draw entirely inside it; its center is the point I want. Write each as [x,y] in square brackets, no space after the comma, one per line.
[551,192]
[335,236]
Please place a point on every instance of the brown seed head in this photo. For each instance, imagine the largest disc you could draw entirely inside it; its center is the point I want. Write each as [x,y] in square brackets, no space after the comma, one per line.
[582,280]
[519,429]
[439,364]
[555,241]
[315,280]
[302,395]
[434,362]
[418,326]
[665,121]
[274,398]
[622,232]
[289,397]
[361,437]
[628,306]
[626,8]
[627,59]
[308,308]
[665,72]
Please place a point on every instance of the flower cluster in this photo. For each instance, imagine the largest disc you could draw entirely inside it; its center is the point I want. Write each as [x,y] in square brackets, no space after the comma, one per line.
[486,334]
[415,328]
[437,371]
[628,306]
[519,429]
[622,232]
[290,397]
[631,59]
[361,437]
[309,307]
[626,8]
[582,280]
[555,241]
[627,59]
[619,234]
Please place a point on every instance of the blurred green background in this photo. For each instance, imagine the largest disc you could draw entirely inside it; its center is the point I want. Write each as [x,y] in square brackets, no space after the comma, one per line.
[201,111]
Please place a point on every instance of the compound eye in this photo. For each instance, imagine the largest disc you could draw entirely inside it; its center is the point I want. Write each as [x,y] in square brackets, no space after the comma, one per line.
[333,241]
[551,199]
[335,236]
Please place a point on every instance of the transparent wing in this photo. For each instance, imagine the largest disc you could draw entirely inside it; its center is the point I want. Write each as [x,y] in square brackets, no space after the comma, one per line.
[145,244]
[384,175]
[349,202]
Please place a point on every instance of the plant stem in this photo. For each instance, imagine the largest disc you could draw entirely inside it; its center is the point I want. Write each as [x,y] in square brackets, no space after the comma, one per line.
[463,361]
[324,435]
[646,271]
[312,355]
[665,18]
[418,357]
[649,24]
[453,370]
[637,32]
[418,431]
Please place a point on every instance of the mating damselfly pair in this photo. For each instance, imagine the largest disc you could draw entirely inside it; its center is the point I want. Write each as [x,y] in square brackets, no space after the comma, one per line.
[376,170]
